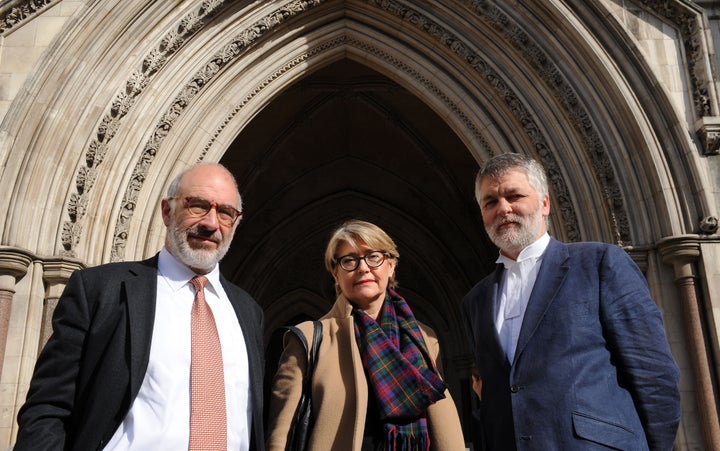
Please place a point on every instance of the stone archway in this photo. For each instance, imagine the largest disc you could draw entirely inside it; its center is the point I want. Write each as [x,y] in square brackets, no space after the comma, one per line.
[258,87]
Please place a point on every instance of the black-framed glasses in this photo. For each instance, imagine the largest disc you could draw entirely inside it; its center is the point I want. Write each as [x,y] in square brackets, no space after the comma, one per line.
[198,207]
[372,259]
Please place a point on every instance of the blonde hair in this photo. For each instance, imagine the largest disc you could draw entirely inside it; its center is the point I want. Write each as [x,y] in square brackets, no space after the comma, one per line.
[354,232]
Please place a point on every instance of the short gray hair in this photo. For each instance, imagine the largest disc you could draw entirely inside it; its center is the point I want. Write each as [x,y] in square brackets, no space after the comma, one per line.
[497,167]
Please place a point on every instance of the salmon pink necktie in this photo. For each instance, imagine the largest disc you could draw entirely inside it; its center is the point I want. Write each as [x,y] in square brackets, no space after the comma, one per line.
[208,428]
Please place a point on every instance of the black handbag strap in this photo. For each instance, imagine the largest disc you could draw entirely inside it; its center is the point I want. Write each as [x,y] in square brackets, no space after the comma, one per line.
[313,355]
[317,339]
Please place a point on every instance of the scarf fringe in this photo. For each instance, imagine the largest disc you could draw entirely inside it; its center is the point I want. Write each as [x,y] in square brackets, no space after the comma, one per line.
[398,441]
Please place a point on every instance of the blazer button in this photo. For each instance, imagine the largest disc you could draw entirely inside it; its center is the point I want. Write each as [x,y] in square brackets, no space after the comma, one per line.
[514,388]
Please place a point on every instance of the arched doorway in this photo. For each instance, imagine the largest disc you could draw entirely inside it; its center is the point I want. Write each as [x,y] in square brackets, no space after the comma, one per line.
[346,142]
[332,109]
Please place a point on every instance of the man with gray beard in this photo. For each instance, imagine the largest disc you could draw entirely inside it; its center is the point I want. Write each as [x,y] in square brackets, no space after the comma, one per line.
[157,354]
[569,344]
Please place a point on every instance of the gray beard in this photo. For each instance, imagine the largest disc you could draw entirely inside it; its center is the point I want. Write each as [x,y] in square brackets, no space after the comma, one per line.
[194,258]
[517,240]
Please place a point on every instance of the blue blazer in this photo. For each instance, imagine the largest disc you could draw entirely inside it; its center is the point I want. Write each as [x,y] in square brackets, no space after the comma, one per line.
[91,369]
[593,367]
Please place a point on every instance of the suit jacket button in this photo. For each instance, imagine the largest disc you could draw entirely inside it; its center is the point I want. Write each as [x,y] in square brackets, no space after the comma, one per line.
[514,388]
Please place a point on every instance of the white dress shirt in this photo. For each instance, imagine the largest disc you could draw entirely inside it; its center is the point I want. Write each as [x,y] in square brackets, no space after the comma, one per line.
[517,284]
[159,417]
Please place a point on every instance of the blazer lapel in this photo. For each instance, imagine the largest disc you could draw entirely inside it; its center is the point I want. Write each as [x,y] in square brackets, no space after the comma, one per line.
[490,313]
[551,275]
[141,290]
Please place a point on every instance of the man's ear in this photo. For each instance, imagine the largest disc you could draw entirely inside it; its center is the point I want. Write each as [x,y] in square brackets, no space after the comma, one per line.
[546,205]
[166,211]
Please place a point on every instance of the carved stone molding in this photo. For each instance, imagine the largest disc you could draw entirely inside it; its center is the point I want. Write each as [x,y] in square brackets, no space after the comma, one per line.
[688,20]
[15,12]
[708,129]
[120,106]
[231,51]
[372,49]
[679,250]
[690,24]
[709,224]
[239,44]
[485,11]
[14,261]
[57,270]
[490,14]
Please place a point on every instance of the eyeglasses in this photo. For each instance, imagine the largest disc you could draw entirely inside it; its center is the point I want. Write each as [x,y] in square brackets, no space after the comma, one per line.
[351,262]
[198,207]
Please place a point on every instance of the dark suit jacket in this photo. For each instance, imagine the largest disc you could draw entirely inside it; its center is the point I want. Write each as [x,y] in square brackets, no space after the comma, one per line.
[592,368]
[92,367]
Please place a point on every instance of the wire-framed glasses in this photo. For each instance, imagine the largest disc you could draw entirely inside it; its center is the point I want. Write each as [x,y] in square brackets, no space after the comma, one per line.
[372,259]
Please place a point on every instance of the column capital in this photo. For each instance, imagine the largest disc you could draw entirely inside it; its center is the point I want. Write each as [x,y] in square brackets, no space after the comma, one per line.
[14,261]
[58,269]
[680,249]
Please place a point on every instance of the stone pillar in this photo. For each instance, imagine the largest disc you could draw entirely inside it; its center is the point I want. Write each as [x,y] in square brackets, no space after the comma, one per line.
[56,272]
[683,253]
[14,265]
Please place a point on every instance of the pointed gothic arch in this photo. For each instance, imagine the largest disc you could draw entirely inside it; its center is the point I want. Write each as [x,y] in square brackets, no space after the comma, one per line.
[122,110]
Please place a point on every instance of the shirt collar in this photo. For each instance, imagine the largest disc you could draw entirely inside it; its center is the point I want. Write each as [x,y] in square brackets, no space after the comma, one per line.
[531,252]
[178,275]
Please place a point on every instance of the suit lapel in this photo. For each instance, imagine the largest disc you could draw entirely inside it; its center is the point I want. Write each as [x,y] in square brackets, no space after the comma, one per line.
[251,330]
[490,313]
[244,318]
[141,290]
[551,275]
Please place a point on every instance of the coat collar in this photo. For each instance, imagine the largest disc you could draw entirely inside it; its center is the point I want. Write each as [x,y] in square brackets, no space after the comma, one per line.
[341,309]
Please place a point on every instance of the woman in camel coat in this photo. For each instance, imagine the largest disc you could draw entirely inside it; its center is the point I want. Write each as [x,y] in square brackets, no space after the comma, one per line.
[357,404]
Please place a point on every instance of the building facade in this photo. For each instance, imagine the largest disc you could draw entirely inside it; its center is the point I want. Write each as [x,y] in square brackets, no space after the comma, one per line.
[327,110]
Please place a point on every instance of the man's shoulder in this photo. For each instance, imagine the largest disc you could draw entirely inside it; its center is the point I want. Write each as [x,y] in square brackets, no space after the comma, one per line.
[135,266]
[594,247]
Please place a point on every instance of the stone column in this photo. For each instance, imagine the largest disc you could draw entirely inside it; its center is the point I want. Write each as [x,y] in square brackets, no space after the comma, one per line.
[683,253]
[56,272]
[14,265]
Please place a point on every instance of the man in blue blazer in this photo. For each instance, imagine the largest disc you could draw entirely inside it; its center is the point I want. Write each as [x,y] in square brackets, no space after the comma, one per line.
[569,344]
[115,374]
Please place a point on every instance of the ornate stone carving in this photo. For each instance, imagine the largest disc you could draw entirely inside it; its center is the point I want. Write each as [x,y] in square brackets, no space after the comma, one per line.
[120,106]
[689,24]
[709,134]
[581,120]
[190,24]
[85,179]
[70,235]
[709,225]
[485,10]
[16,11]
[491,15]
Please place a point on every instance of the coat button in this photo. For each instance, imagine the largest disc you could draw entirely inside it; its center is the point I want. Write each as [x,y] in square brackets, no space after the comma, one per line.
[514,388]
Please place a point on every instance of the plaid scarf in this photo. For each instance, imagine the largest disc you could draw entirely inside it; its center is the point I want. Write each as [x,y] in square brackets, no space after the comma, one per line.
[400,372]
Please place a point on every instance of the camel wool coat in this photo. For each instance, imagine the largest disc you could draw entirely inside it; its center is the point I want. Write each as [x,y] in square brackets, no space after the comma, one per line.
[340,390]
